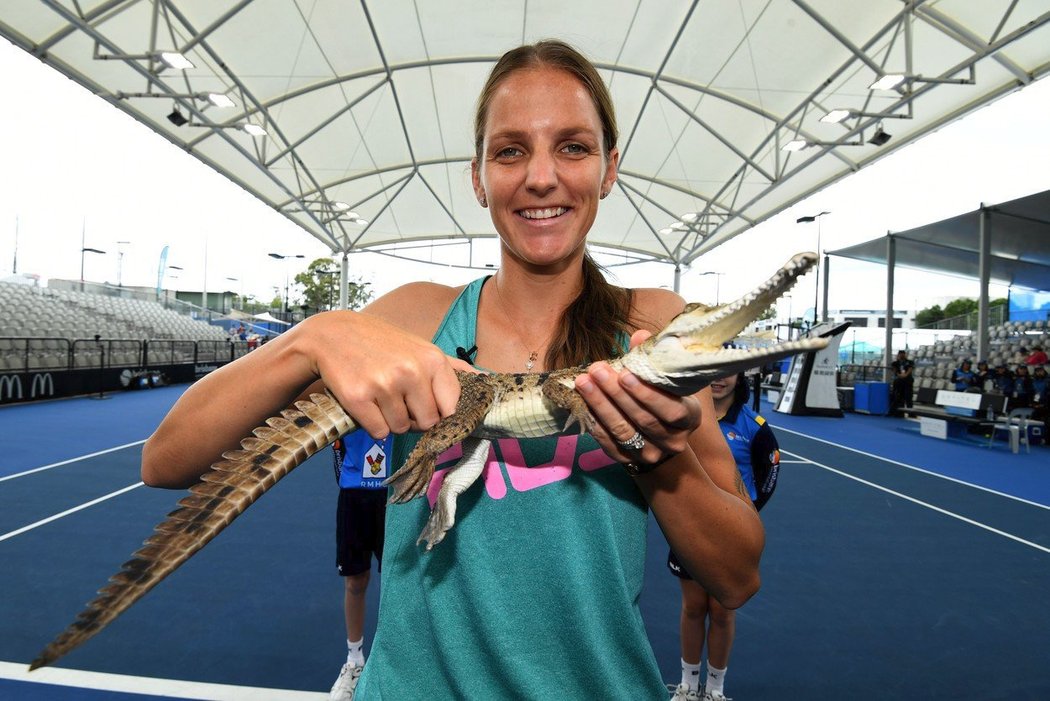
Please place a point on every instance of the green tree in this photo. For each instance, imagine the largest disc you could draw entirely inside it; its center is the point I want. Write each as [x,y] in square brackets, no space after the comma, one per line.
[958,307]
[930,315]
[320,284]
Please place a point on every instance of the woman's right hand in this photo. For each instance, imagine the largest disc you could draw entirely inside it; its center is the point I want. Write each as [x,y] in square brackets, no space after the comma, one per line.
[390,381]
[386,376]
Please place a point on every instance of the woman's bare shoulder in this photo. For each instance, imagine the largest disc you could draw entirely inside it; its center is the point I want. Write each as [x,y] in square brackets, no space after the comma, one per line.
[652,308]
[417,307]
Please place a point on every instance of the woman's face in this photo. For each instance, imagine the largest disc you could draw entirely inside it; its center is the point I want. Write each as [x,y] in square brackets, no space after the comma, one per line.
[723,387]
[542,168]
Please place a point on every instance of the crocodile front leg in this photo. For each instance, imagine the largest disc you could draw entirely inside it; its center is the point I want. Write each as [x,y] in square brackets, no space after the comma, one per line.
[462,475]
[476,396]
[560,389]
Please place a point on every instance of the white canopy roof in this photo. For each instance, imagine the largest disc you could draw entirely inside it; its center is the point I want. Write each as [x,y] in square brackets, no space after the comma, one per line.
[367,106]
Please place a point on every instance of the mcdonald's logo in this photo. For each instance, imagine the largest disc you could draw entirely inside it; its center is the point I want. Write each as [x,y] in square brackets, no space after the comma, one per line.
[8,385]
[45,382]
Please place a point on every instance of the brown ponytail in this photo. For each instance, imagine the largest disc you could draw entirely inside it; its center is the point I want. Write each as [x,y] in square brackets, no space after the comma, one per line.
[594,324]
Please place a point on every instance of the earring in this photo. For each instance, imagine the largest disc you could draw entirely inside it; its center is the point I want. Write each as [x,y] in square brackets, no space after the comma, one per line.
[483,201]
[605,193]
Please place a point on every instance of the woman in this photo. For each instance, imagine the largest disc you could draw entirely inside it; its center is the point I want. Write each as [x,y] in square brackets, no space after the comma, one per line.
[534,594]
[963,377]
[757,457]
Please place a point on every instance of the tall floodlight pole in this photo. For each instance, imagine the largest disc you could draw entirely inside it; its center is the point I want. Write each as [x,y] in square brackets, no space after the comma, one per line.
[14,264]
[84,249]
[286,256]
[816,287]
[120,262]
[718,282]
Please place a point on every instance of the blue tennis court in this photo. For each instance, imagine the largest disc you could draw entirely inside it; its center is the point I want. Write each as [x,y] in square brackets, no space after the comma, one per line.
[896,567]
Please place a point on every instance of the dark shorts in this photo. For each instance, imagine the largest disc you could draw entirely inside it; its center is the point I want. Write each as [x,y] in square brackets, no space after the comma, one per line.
[676,567]
[359,530]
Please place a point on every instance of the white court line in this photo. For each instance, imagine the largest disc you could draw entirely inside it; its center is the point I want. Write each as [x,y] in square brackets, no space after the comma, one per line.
[66,462]
[917,469]
[149,686]
[927,505]
[67,512]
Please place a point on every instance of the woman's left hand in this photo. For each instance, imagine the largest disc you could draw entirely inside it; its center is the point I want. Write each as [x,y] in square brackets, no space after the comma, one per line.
[628,411]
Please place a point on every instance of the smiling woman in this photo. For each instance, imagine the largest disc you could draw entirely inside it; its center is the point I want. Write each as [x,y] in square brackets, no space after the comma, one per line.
[536,592]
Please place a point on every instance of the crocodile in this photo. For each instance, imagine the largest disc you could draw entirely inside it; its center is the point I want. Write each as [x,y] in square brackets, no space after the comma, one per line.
[682,359]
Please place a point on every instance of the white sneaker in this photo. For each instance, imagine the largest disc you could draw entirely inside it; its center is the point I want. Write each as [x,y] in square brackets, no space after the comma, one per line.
[682,692]
[343,689]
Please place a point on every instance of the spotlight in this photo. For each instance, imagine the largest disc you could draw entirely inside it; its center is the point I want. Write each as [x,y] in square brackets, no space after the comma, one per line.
[218,99]
[173,59]
[879,137]
[835,116]
[176,118]
[888,81]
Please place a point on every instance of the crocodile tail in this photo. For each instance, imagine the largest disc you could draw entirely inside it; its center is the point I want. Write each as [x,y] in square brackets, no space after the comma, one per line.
[228,488]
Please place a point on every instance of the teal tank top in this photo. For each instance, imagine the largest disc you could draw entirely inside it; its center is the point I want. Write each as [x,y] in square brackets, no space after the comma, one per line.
[534,593]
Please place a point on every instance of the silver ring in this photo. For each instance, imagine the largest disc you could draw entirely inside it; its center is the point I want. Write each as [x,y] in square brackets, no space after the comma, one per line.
[635,442]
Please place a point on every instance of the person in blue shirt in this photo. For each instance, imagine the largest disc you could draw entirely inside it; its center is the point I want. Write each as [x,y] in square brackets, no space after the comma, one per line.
[963,376]
[1003,380]
[757,456]
[361,465]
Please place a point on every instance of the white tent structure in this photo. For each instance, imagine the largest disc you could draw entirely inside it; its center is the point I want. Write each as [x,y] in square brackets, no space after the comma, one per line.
[269,318]
[353,118]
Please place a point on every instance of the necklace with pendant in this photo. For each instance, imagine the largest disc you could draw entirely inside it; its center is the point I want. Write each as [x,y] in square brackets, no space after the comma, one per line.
[533,355]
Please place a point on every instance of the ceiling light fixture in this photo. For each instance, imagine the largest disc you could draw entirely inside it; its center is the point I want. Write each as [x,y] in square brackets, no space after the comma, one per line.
[890,81]
[795,145]
[253,129]
[835,116]
[177,118]
[880,137]
[218,99]
[175,60]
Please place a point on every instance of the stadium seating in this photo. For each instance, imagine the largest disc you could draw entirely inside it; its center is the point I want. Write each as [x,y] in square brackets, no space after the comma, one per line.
[43,328]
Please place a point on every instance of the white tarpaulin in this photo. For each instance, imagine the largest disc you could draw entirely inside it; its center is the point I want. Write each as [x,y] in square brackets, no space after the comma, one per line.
[266,316]
[353,119]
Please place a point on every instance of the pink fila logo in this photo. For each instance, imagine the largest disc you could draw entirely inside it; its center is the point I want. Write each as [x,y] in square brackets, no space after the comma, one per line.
[522,476]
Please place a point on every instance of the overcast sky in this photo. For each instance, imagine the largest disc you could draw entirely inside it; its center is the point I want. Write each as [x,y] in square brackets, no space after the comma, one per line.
[73,165]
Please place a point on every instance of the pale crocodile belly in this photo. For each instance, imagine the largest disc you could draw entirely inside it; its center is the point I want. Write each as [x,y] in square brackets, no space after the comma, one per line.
[522,415]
